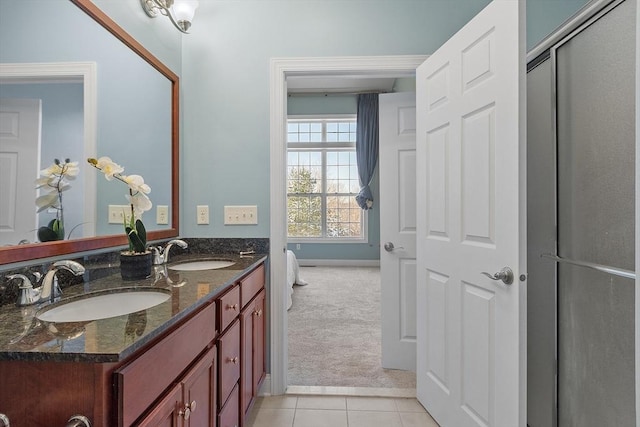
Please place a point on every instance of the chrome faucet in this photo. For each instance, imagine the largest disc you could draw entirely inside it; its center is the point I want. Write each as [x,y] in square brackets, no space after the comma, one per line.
[50,289]
[161,255]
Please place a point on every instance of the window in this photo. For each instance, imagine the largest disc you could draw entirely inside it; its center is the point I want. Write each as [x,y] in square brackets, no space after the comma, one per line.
[322,180]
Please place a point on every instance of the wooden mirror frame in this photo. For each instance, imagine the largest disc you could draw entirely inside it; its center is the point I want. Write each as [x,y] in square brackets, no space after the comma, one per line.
[32,251]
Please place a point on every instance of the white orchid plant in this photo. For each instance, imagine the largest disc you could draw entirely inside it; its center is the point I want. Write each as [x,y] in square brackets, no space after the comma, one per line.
[138,200]
[53,182]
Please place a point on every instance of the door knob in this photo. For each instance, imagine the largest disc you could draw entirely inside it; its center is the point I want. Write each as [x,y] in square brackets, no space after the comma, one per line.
[506,275]
[389,247]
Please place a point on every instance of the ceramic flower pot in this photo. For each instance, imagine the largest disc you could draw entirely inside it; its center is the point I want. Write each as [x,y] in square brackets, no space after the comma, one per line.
[134,266]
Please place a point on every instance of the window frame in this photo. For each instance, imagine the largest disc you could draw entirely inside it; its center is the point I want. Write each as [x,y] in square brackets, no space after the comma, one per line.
[323,148]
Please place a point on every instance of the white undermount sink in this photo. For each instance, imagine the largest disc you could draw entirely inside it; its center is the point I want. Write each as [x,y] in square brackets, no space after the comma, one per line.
[102,305]
[206,264]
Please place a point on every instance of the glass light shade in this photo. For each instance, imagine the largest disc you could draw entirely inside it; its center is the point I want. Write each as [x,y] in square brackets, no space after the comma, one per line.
[184,10]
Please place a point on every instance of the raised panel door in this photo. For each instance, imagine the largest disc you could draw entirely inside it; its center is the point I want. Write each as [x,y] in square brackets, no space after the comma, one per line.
[199,392]
[165,413]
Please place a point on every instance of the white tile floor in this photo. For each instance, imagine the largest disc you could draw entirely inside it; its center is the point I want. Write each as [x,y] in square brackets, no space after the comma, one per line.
[338,411]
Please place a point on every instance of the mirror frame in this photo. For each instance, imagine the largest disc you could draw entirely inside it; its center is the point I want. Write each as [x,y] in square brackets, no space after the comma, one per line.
[34,251]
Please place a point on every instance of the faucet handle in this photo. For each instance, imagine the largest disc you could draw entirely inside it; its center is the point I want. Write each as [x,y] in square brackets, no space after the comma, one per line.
[25,282]
[27,295]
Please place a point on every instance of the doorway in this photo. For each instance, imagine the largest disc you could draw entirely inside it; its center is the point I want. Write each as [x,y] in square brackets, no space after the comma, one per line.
[398,66]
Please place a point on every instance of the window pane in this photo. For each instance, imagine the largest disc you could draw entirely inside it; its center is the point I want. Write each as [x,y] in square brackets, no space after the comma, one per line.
[292,137]
[304,216]
[292,127]
[309,191]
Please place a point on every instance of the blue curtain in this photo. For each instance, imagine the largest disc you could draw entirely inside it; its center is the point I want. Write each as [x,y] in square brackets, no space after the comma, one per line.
[366,146]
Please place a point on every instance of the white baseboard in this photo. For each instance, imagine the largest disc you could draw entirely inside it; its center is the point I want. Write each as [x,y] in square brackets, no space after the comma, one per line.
[339,262]
[265,388]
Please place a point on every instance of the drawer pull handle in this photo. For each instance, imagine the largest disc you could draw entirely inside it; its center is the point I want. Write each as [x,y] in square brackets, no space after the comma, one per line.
[232,307]
[233,360]
[188,409]
[258,312]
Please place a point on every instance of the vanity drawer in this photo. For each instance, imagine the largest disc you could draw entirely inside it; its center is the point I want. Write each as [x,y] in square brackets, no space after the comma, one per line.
[229,415]
[146,377]
[229,361]
[251,285]
[229,307]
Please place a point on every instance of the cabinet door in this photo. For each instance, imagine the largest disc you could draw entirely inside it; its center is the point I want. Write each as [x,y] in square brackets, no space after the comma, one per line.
[259,331]
[246,361]
[229,361]
[165,413]
[229,413]
[199,392]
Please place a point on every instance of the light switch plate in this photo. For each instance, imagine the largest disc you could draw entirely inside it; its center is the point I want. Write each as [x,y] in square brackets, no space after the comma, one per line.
[241,215]
[116,213]
[162,214]
[202,214]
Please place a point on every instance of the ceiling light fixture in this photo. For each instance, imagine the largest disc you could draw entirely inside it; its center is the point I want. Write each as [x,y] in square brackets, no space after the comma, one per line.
[180,12]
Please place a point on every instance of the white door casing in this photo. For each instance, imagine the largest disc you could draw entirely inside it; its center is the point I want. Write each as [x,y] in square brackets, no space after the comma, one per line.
[20,124]
[397,204]
[471,367]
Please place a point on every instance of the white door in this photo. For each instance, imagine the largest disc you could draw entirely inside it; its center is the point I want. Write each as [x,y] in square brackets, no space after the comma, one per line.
[397,166]
[470,193]
[19,165]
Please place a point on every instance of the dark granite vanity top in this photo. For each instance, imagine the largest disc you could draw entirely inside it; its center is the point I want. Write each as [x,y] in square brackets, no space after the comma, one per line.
[23,337]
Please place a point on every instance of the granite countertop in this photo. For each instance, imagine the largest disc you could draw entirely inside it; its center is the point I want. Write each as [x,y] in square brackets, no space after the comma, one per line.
[23,337]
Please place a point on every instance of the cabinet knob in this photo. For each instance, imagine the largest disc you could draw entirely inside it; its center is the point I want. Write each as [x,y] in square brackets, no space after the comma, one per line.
[232,307]
[258,312]
[233,360]
[188,409]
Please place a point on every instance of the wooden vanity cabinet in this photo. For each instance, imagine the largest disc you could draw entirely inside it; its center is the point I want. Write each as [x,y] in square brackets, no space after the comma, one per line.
[252,325]
[252,329]
[191,402]
[241,347]
[141,381]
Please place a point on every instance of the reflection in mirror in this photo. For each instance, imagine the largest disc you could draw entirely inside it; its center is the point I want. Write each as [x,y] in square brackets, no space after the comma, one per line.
[49,112]
[136,113]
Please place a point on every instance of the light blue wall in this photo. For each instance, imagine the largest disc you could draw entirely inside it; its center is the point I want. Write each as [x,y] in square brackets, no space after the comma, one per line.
[226,80]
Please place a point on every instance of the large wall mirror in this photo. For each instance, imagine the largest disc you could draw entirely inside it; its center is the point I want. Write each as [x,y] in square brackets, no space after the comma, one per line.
[92,91]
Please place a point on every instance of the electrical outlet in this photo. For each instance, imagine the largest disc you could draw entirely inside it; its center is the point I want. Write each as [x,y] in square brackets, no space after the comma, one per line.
[234,215]
[297,246]
[117,213]
[162,214]
[202,214]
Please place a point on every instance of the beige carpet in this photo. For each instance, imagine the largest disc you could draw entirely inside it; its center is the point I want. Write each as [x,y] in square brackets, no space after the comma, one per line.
[334,331]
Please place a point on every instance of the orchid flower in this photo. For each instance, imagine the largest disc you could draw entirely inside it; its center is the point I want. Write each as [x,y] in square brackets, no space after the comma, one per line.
[138,200]
[56,179]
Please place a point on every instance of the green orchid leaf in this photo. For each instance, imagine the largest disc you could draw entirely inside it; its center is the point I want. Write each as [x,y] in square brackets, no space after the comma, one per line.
[58,227]
[142,232]
[46,234]
[136,243]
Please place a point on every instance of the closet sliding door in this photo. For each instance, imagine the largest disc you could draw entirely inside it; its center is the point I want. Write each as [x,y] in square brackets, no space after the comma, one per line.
[595,131]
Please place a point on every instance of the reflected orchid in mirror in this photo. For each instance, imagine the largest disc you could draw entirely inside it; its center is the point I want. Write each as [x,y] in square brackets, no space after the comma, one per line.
[138,200]
[53,182]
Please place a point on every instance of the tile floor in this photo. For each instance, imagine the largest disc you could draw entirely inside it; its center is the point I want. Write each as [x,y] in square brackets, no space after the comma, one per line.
[338,411]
